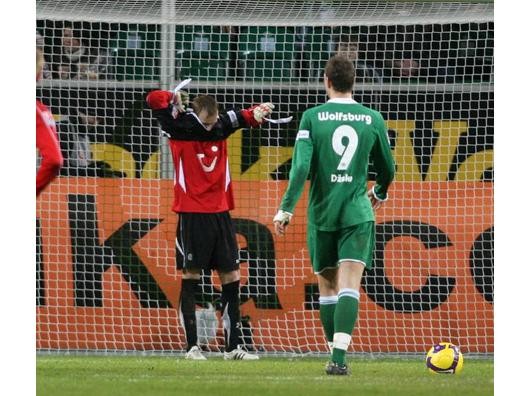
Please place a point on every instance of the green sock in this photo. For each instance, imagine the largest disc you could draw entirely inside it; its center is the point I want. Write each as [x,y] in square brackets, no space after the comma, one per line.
[327,315]
[344,321]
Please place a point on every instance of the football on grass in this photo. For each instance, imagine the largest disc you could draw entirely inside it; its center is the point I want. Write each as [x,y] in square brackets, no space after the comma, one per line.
[444,358]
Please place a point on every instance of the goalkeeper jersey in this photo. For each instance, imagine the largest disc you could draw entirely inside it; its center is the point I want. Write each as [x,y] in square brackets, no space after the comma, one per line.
[200,158]
[334,144]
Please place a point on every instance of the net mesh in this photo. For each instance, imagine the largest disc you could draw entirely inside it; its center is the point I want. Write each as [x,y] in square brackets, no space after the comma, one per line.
[267,13]
[106,275]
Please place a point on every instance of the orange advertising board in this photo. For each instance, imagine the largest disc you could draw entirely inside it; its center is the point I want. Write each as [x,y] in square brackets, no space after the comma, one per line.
[109,280]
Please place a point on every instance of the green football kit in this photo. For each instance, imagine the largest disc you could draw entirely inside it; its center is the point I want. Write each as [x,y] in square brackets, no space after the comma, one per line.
[334,144]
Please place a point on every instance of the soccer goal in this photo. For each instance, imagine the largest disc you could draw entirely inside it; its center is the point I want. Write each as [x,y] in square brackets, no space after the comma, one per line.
[106,275]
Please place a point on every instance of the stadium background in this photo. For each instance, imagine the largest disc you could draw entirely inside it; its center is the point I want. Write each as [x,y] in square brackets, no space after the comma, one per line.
[105,275]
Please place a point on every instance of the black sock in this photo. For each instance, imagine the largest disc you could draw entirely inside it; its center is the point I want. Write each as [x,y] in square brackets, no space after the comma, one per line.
[187,310]
[231,315]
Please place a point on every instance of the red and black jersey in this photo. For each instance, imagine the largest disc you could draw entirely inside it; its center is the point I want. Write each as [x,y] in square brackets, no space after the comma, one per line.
[48,145]
[200,157]
[202,177]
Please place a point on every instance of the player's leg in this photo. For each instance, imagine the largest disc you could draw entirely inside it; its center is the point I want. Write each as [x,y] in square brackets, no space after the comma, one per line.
[230,302]
[322,251]
[192,257]
[327,286]
[355,246]
[349,274]
[189,288]
[226,256]
[232,317]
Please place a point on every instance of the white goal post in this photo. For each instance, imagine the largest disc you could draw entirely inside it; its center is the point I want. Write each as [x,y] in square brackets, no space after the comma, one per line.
[106,275]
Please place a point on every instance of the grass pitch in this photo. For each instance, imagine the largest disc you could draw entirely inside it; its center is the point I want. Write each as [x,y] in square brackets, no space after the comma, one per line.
[160,375]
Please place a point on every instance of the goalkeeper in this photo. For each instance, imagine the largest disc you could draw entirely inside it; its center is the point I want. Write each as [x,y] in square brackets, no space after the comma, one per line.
[203,198]
[334,144]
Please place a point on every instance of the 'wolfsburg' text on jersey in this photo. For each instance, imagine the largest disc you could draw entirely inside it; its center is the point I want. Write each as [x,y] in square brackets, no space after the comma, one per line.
[333,146]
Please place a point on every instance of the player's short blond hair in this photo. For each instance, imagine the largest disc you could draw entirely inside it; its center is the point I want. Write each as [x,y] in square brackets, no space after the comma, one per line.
[206,103]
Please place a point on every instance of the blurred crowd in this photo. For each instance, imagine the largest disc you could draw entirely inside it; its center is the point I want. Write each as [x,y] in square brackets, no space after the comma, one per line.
[71,56]
[444,53]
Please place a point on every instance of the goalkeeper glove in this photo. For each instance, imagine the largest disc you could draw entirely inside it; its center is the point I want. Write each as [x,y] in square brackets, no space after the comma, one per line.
[254,115]
[181,101]
[262,111]
[159,100]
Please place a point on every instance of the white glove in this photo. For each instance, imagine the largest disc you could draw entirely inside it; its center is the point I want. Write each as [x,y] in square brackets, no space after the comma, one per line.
[263,110]
[282,217]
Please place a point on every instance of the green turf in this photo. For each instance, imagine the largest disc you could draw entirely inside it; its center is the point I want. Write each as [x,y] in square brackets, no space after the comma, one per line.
[158,375]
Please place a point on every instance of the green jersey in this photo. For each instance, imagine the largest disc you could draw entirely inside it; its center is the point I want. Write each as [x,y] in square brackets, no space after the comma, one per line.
[334,144]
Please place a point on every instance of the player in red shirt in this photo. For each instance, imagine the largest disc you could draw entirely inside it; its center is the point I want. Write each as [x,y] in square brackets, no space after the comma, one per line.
[206,237]
[47,141]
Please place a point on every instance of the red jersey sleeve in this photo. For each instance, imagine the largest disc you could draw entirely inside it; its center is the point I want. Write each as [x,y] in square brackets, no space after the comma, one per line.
[48,145]
[158,100]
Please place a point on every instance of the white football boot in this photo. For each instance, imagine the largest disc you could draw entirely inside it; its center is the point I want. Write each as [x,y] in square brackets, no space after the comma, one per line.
[239,354]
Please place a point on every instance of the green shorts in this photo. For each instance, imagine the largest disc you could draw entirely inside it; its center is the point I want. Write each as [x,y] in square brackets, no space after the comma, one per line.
[328,248]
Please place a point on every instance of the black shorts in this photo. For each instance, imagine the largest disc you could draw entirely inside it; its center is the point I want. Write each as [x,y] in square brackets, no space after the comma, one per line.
[207,241]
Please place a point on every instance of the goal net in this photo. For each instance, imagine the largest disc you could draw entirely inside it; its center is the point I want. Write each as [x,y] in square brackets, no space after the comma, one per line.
[106,274]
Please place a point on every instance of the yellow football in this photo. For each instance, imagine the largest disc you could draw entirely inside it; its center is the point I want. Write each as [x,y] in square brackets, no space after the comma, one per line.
[444,358]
